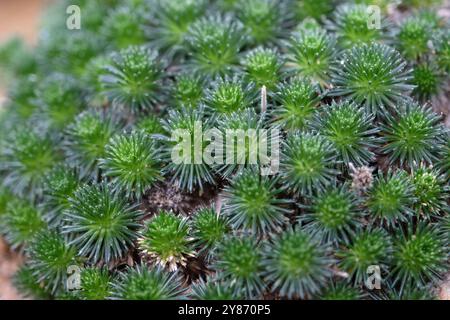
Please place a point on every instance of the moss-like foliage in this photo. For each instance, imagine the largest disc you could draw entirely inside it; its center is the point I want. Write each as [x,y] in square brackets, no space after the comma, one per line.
[374,75]
[391,197]
[311,53]
[209,230]
[333,214]
[252,203]
[214,45]
[165,239]
[140,283]
[420,255]
[350,129]
[367,248]
[50,259]
[228,149]
[355,24]
[297,265]
[132,161]
[413,134]
[308,162]
[240,260]
[296,102]
[101,223]
[133,79]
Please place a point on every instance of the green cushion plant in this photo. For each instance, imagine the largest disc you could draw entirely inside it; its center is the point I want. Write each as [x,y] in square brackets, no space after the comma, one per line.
[97,119]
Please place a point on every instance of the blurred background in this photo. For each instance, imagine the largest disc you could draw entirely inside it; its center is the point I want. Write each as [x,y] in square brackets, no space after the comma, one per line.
[17,18]
[20,18]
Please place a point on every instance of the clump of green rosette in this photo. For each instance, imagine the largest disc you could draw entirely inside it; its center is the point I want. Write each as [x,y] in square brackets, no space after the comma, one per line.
[357,206]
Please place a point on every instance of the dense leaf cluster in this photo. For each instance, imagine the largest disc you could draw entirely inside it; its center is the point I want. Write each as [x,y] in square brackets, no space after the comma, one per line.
[86,141]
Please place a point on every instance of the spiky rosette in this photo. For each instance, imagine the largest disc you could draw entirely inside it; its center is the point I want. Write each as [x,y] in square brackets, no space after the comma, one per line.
[60,100]
[95,284]
[214,44]
[101,224]
[374,75]
[350,129]
[71,50]
[49,259]
[441,43]
[432,18]
[333,215]
[27,157]
[133,80]
[297,265]
[23,221]
[5,198]
[124,27]
[141,283]
[23,97]
[212,289]
[430,191]
[420,255]
[150,125]
[87,138]
[297,100]
[95,97]
[60,185]
[184,150]
[209,229]
[166,240]
[244,142]
[340,290]
[228,95]
[265,149]
[409,292]
[427,80]
[413,36]
[311,53]
[262,67]
[28,285]
[354,24]
[227,5]
[16,59]
[308,162]
[368,247]
[308,24]
[445,226]
[132,161]
[312,8]
[239,259]
[420,4]
[382,4]
[263,19]
[391,197]
[413,135]
[252,202]
[444,163]
[172,22]
[188,90]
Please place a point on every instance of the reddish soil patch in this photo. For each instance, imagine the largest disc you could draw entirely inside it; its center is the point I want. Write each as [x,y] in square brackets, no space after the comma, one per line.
[9,263]
[17,18]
